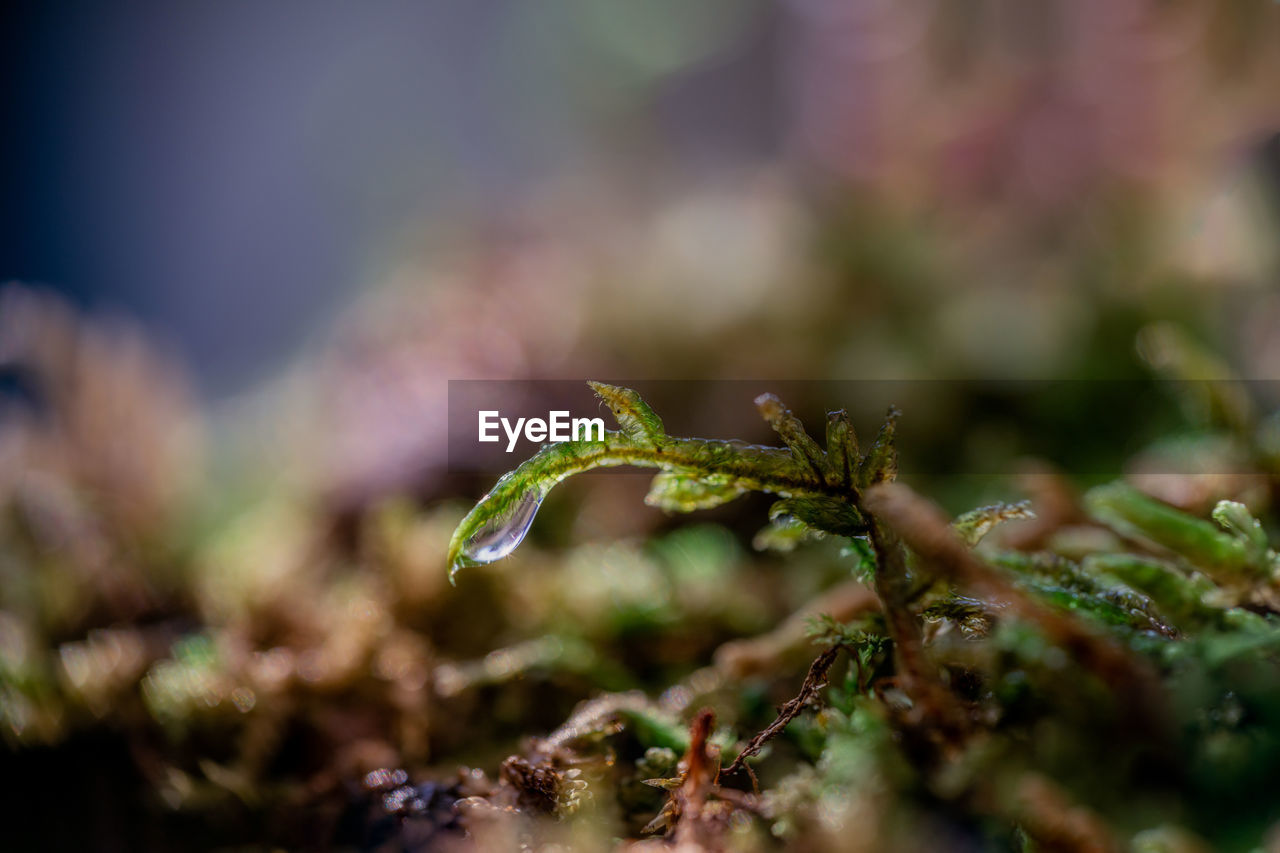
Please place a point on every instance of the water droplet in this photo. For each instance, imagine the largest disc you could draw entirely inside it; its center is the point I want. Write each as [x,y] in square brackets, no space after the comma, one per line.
[502,534]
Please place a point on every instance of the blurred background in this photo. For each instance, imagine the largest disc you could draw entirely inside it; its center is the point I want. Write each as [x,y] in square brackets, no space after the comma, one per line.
[249,244]
[233,174]
[809,189]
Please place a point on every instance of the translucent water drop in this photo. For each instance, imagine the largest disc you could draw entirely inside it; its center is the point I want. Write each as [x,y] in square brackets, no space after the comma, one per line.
[503,533]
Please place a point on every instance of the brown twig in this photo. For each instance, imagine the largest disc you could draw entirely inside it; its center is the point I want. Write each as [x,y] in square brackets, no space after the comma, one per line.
[703,764]
[694,822]
[814,681]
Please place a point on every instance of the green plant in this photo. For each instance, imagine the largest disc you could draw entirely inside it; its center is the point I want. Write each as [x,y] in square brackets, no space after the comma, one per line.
[1034,693]
[819,488]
